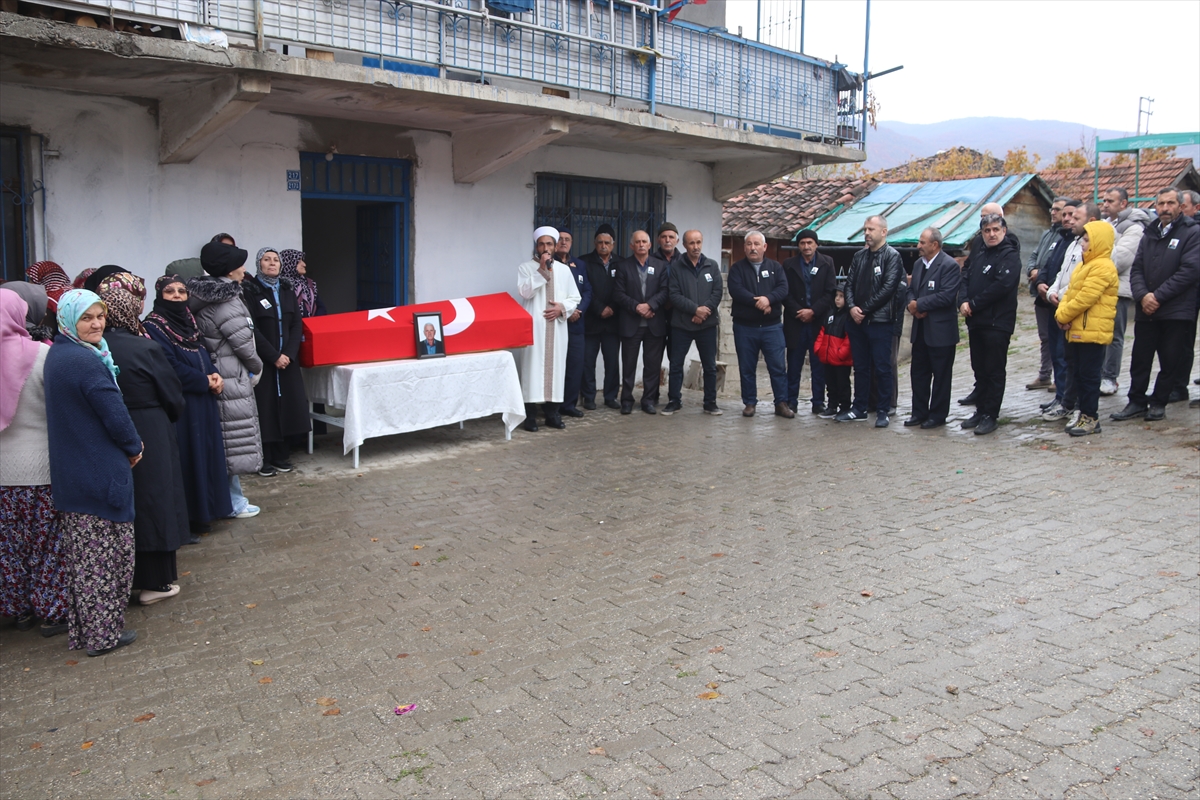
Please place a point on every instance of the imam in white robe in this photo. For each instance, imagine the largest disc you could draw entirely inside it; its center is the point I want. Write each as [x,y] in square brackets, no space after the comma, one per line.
[543,365]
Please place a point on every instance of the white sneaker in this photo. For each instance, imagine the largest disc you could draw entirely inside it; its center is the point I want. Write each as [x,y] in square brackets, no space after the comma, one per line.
[149,597]
[1055,411]
[248,512]
[1108,388]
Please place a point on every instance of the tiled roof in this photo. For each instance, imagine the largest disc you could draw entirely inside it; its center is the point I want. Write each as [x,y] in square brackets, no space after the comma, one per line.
[1153,178]
[783,208]
[955,163]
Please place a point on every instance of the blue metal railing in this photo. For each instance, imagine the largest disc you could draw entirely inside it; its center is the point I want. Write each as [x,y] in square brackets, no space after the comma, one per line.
[721,78]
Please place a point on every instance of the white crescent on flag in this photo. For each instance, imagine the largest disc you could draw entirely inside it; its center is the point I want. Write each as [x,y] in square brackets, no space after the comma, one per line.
[464,315]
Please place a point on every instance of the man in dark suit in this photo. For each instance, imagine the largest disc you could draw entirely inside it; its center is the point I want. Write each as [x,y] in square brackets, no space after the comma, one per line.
[757,288]
[640,295]
[573,382]
[932,297]
[600,319]
[812,282]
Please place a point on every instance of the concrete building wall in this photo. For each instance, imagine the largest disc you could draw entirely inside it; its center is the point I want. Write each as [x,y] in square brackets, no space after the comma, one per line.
[109,200]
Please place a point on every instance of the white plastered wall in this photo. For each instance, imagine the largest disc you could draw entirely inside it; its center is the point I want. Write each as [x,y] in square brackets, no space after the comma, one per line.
[109,201]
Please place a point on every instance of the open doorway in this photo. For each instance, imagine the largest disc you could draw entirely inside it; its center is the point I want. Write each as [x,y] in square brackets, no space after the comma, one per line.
[355,217]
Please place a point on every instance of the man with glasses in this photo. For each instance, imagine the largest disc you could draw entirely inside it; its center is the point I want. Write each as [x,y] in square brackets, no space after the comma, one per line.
[1044,314]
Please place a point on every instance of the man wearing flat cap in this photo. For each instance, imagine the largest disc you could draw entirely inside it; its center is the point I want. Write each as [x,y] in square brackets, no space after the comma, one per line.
[548,292]
[812,283]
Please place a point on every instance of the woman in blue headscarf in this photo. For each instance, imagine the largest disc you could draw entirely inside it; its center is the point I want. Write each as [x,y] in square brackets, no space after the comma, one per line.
[93,449]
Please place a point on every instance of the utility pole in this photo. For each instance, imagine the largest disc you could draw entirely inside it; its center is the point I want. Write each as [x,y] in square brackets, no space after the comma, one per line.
[1148,101]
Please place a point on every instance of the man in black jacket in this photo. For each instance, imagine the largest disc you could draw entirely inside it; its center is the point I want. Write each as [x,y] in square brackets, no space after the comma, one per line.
[757,287]
[1163,279]
[812,282]
[932,297]
[876,274]
[639,293]
[1044,314]
[600,320]
[987,297]
[695,294]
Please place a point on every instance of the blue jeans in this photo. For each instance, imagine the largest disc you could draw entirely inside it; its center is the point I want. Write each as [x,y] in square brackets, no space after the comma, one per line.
[749,341]
[795,363]
[871,347]
[706,346]
[240,503]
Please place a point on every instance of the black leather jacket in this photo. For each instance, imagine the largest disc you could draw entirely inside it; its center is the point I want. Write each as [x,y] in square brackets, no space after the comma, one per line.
[873,281]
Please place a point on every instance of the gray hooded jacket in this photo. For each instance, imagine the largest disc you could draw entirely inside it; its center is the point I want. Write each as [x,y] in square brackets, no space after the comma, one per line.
[228,334]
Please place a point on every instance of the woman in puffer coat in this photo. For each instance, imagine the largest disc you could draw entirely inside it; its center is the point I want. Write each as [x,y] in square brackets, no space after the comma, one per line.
[228,334]
[1086,313]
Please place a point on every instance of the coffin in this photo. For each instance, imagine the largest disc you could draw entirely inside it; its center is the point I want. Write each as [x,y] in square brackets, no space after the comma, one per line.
[469,325]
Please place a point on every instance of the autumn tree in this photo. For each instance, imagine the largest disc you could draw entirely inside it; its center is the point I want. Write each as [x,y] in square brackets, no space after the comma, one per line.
[1070,159]
[1019,162]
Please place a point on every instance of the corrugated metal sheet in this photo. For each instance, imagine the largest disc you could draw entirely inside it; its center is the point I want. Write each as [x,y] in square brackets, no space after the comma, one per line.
[952,206]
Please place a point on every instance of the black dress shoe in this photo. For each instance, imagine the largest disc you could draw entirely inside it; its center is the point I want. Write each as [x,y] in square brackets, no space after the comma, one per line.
[128,636]
[590,405]
[932,423]
[986,425]
[970,399]
[971,421]
[530,424]
[1178,395]
[193,539]
[649,408]
[1155,413]
[818,408]
[1130,411]
[913,422]
[610,404]
[572,412]
[626,408]
[555,421]
[49,629]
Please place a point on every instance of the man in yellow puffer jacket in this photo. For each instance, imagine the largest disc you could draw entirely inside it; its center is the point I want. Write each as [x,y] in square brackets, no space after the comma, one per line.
[1086,313]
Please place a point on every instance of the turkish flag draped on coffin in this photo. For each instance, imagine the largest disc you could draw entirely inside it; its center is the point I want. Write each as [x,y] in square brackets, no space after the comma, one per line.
[469,325]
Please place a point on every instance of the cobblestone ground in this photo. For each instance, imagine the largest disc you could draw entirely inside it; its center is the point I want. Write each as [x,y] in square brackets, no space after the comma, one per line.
[663,607]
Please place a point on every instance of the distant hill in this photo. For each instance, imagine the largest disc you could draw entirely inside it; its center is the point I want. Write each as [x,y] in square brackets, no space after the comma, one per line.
[894,143]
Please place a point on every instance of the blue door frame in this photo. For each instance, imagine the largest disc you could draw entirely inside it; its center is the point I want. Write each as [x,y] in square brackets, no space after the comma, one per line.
[383,231]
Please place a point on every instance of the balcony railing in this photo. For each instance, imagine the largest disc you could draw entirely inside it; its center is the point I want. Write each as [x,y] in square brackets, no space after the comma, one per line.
[624,50]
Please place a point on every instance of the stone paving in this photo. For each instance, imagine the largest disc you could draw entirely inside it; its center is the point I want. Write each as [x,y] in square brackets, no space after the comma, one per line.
[873,613]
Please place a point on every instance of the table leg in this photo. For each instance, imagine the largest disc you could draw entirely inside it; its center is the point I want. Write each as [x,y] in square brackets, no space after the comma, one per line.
[460,425]
[310,441]
[356,458]
[507,432]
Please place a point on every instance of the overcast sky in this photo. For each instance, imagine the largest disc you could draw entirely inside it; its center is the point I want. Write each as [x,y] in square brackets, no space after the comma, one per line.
[1124,50]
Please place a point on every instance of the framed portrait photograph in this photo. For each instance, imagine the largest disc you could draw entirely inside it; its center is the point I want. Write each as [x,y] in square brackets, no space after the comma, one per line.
[428,328]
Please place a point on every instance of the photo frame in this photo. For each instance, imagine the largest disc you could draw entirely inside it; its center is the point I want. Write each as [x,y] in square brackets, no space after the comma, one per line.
[431,342]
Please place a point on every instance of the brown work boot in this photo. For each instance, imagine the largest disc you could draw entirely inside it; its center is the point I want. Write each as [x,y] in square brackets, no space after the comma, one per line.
[784,410]
[748,411]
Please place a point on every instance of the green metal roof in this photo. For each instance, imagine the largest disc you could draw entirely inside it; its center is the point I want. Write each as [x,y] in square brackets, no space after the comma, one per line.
[909,208]
[1131,143]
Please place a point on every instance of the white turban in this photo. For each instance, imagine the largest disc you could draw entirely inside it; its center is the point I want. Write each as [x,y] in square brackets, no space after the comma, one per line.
[545,230]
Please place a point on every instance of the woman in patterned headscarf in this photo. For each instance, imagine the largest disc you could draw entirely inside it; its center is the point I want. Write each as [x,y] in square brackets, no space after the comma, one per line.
[52,277]
[93,448]
[154,397]
[296,271]
[201,449]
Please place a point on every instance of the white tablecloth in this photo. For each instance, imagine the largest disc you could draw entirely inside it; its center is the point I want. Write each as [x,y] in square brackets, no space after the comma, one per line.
[387,397]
